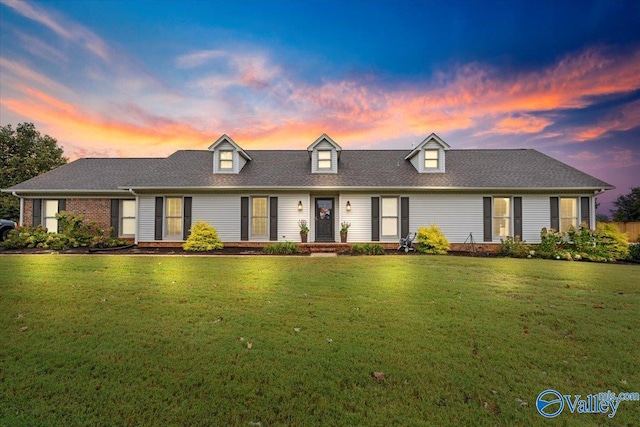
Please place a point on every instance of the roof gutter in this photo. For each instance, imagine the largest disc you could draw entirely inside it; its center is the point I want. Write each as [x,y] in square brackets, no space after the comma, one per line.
[371,188]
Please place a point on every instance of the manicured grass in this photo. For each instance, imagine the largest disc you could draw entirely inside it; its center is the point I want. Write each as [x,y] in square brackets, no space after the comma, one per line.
[126,340]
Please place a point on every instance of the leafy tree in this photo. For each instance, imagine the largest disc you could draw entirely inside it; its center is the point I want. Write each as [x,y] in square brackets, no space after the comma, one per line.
[628,207]
[24,153]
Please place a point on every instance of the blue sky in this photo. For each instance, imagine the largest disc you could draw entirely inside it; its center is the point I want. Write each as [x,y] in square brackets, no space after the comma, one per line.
[141,78]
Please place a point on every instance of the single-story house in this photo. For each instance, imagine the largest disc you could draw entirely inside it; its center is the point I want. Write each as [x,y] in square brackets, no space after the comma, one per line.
[254,196]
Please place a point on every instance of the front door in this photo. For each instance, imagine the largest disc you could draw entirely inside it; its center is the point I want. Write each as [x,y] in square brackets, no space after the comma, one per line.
[324,220]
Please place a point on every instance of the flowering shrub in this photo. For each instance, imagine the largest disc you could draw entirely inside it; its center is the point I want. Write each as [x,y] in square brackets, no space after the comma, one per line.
[511,247]
[304,228]
[75,232]
[606,243]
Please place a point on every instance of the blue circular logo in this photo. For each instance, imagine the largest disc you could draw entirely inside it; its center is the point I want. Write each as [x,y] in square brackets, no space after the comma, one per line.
[546,403]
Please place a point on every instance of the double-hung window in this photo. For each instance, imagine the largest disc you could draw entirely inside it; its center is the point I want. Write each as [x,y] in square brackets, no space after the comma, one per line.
[501,217]
[127,218]
[226,160]
[173,215]
[259,217]
[389,217]
[568,213]
[324,159]
[49,219]
[431,159]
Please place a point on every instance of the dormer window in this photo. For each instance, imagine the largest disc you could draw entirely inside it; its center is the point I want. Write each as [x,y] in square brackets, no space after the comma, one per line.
[324,159]
[431,159]
[226,160]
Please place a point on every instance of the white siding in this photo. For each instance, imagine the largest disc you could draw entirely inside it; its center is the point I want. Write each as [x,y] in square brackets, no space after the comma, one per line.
[456,215]
[536,214]
[359,217]
[289,215]
[221,211]
[146,218]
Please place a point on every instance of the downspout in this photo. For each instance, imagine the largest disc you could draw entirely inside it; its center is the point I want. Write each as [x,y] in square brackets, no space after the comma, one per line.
[135,239]
[593,207]
[13,193]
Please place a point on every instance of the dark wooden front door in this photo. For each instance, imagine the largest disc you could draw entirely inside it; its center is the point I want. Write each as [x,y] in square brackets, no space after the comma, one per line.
[325,230]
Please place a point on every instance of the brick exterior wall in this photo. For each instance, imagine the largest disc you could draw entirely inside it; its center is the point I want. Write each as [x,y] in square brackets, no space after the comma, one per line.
[97,210]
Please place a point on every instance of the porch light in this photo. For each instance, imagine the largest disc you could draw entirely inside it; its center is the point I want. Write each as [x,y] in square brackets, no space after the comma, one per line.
[300,205]
[348,206]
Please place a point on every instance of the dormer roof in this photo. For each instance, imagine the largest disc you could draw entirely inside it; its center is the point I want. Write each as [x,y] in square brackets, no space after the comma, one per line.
[226,138]
[324,137]
[433,138]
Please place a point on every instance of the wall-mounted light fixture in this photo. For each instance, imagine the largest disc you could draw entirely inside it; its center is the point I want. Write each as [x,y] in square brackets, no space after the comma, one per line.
[348,206]
[300,205]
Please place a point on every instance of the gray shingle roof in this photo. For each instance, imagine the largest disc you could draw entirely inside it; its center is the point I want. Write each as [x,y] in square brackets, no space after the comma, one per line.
[491,169]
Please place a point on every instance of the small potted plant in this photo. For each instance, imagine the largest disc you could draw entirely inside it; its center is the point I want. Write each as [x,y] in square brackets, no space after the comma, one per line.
[344,229]
[304,230]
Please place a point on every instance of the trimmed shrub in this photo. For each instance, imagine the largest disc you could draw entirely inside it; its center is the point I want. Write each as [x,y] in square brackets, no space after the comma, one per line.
[432,241]
[367,249]
[203,237]
[282,248]
[515,248]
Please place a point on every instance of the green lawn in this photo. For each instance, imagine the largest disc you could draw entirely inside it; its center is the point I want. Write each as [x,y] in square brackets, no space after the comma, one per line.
[132,340]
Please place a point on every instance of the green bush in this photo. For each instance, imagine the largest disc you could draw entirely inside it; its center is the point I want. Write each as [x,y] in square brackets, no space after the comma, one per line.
[282,248]
[74,232]
[367,249]
[613,244]
[203,237]
[551,243]
[515,248]
[634,251]
[432,241]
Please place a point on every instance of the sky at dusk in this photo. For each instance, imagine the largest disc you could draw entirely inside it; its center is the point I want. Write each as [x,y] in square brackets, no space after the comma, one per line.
[144,79]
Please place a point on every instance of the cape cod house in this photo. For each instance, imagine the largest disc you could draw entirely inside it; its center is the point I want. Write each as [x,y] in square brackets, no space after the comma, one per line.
[260,195]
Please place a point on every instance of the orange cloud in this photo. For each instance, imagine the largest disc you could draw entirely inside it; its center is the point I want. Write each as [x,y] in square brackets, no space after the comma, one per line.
[624,118]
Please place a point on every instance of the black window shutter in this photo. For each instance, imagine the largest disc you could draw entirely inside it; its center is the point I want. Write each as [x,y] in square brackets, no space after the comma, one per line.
[186,229]
[555,213]
[486,216]
[517,217]
[585,214]
[375,219]
[404,216]
[37,212]
[244,218]
[115,217]
[273,218]
[62,205]
[159,216]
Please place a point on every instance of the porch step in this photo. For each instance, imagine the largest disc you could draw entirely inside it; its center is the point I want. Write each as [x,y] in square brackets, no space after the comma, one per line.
[323,254]
[326,248]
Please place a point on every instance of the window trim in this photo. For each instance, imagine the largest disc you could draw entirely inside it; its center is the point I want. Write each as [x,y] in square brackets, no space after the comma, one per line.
[383,216]
[265,218]
[561,217]
[222,161]
[122,217]
[426,159]
[177,236]
[321,160]
[46,216]
[508,217]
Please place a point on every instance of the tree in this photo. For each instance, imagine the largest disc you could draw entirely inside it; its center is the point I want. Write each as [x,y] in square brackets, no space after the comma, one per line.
[628,206]
[24,153]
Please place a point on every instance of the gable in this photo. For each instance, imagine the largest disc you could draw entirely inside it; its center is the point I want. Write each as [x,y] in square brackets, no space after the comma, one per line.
[430,155]
[325,154]
[228,157]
